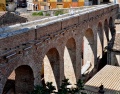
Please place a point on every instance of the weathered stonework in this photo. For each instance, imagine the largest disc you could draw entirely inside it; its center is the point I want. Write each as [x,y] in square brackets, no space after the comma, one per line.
[76,33]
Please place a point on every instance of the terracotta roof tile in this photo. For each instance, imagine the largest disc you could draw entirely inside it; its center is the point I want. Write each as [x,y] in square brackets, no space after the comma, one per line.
[109,77]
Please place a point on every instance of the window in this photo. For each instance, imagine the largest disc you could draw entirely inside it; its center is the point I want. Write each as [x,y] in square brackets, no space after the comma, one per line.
[59,0]
[45,0]
[74,0]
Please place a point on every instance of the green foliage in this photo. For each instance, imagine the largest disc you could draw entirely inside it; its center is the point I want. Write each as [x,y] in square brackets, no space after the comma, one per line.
[37,13]
[38,90]
[49,88]
[80,86]
[40,13]
[34,14]
[58,12]
[63,88]
[47,14]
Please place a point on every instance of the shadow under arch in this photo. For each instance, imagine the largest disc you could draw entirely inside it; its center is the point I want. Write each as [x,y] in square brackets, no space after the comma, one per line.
[20,81]
[111,26]
[106,33]
[51,68]
[70,60]
[99,40]
[88,47]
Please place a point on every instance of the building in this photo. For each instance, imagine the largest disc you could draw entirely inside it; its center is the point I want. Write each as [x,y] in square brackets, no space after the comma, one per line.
[30,4]
[51,4]
[2,5]
[114,50]
[108,77]
[22,3]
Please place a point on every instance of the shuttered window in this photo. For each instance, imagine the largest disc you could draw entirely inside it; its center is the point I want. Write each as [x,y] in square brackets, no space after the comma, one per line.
[74,0]
[59,0]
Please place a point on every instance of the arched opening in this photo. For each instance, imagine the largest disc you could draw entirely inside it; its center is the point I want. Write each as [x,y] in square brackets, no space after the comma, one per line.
[88,44]
[105,1]
[70,61]
[20,81]
[102,62]
[51,65]
[106,32]
[111,28]
[99,41]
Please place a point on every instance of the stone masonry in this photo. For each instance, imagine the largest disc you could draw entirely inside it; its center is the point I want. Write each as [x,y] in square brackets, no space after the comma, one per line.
[58,45]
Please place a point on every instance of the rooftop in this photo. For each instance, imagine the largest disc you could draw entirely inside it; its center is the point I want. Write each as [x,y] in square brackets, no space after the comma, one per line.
[109,77]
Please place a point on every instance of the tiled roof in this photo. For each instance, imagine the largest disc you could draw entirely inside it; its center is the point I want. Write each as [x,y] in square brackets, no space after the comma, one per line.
[109,77]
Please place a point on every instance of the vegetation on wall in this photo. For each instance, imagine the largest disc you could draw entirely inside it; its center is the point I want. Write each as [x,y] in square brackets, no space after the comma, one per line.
[37,13]
[59,12]
[48,88]
[41,13]
[47,14]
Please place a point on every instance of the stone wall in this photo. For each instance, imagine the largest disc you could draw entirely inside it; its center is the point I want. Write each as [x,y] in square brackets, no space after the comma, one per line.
[35,44]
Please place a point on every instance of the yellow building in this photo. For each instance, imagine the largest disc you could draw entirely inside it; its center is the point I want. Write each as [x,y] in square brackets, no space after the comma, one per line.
[51,4]
[2,5]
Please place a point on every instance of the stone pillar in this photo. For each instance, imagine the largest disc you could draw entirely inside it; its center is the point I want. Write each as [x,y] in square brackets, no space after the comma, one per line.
[113,31]
[31,7]
[86,2]
[98,2]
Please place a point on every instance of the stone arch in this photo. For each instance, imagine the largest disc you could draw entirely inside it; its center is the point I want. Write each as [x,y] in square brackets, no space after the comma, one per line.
[20,81]
[88,47]
[51,65]
[70,60]
[111,27]
[99,41]
[106,32]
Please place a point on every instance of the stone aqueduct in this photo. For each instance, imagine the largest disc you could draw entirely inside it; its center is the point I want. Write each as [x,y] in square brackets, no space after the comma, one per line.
[61,46]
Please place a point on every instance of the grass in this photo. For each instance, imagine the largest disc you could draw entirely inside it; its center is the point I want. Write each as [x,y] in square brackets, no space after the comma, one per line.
[58,12]
[37,13]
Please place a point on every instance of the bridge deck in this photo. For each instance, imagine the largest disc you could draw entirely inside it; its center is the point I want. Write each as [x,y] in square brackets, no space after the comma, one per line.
[49,20]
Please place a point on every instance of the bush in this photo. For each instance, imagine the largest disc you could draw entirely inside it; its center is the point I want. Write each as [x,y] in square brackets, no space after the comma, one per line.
[58,12]
[34,13]
[37,13]
[49,88]
[40,13]
[47,14]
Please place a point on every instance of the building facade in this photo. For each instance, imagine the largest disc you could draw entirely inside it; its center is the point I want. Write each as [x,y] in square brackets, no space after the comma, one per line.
[2,5]
[51,4]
